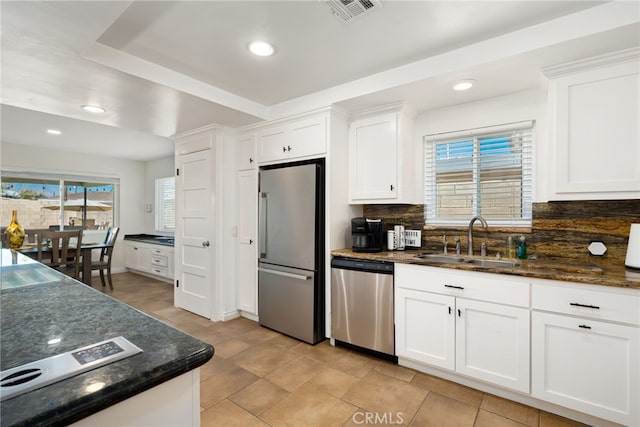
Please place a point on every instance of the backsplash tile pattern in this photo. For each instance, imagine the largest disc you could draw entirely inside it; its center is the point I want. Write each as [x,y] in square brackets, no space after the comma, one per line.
[559,229]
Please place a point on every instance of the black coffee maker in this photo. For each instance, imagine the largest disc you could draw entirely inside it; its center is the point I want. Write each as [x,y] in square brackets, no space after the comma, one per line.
[367,235]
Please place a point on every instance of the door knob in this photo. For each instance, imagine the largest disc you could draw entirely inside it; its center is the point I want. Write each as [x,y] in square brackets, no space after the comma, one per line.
[205,244]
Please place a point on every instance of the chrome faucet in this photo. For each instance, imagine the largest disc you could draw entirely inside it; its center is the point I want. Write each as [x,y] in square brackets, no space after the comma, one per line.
[484,225]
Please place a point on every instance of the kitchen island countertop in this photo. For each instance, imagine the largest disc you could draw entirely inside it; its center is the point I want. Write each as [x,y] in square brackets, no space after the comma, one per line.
[45,313]
[551,269]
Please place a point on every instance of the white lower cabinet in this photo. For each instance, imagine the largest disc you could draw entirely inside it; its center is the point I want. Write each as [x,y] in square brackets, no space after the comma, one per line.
[425,331]
[147,258]
[579,343]
[587,362]
[480,339]
[492,343]
[137,256]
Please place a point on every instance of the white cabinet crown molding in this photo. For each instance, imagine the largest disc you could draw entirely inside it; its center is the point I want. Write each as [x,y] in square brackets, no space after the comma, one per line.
[393,107]
[333,109]
[621,56]
[212,126]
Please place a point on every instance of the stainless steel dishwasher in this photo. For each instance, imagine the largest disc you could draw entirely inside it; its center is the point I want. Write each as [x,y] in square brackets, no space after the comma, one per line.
[362,304]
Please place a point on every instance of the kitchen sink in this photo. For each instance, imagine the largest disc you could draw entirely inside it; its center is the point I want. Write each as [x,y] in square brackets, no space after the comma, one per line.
[493,262]
[440,258]
[453,259]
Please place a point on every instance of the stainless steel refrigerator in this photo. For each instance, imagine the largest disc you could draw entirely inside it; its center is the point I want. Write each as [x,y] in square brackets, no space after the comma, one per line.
[291,238]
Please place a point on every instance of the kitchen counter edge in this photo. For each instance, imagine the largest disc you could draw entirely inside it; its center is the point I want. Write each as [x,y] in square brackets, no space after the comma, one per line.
[619,277]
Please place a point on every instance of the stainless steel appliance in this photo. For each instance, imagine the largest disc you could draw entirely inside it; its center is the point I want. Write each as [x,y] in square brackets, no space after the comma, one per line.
[367,235]
[362,305]
[291,265]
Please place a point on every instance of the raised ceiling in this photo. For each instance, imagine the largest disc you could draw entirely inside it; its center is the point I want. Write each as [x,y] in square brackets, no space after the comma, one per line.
[163,67]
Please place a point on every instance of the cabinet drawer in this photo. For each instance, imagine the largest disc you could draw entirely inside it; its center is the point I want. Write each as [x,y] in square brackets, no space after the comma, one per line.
[160,271]
[468,284]
[159,260]
[594,302]
[159,251]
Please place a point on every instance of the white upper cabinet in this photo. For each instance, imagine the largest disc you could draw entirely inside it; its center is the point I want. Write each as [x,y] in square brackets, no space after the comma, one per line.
[246,152]
[595,136]
[297,139]
[382,156]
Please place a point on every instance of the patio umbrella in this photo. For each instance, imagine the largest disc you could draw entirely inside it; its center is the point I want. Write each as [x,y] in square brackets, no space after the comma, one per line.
[78,206]
[81,205]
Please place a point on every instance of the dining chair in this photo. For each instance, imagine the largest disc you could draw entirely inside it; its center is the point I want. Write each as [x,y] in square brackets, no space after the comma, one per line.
[104,264]
[60,250]
[31,235]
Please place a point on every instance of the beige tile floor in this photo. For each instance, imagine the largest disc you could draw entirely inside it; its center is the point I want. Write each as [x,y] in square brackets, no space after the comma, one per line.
[259,377]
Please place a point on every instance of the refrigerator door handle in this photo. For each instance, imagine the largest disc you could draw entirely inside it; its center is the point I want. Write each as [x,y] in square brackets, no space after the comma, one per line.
[262,224]
[285,274]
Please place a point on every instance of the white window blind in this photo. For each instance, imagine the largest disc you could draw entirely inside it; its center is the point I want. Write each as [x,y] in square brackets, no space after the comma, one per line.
[486,171]
[165,204]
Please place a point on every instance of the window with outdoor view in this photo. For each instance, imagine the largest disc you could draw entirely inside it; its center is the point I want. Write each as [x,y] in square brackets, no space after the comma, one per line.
[166,204]
[485,171]
[54,201]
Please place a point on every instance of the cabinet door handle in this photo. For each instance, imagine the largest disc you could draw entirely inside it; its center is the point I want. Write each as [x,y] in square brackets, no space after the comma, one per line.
[288,148]
[575,304]
[250,160]
[453,286]
[459,313]
[584,326]
[250,242]
[205,244]
[284,149]
[449,310]
[391,187]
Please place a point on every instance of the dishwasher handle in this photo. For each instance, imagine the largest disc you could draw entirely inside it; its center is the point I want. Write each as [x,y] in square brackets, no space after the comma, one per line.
[378,267]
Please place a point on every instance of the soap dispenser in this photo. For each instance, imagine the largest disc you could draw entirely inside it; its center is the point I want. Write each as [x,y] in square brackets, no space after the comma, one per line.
[522,248]
[510,249]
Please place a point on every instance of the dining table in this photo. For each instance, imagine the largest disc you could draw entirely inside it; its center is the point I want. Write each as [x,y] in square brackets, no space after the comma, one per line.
[31,250]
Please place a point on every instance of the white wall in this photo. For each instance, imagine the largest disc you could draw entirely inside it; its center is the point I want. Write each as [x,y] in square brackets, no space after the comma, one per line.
[525,105]
[154,169]
[130,211]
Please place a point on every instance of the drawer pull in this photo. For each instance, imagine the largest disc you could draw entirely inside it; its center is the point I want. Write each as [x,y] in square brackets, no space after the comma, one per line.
[575,304]
[453,286]
[584,326]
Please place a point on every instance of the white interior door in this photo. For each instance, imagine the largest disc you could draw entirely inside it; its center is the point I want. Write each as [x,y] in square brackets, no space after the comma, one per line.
[194,232]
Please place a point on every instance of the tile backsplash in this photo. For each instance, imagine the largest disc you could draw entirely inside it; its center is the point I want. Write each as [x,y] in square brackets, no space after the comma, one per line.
[558,229]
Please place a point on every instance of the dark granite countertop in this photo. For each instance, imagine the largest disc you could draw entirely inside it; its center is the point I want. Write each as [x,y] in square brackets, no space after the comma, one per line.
[38,306]
[551,269]
[151,238]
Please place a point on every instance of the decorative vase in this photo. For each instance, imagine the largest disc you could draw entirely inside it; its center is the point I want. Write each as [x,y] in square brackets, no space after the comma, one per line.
[15,232]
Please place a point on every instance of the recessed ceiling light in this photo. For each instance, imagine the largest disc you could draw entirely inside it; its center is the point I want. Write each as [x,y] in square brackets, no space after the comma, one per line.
[53,131]
[261,48]
[93,108]
[464,84]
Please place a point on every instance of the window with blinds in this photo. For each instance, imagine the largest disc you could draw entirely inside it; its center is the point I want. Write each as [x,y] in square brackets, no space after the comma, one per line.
[485,171]
[166,204]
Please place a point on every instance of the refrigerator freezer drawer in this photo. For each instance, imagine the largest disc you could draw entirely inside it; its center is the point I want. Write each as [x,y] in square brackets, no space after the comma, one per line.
[286,300]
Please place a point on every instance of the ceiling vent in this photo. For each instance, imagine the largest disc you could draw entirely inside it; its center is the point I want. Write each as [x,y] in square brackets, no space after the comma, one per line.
[347,10]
